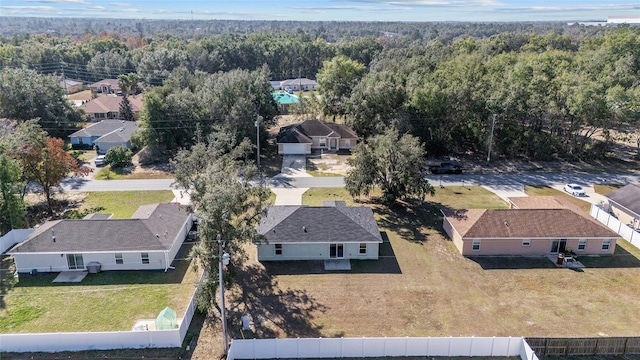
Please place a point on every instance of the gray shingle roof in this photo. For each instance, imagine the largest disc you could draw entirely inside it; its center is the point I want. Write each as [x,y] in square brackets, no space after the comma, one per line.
[333,222]
[155,228]
[104,127]
[309,128]
[627,196]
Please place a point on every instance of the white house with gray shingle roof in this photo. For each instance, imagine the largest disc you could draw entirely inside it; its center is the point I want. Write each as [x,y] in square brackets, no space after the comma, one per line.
[105,135]
[331,231]
[149,240]
[624,203]
[314,135]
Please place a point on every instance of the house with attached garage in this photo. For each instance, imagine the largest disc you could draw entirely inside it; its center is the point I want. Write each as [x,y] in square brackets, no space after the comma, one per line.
[624,203]
[331,231]
[315,135]
[149,240]
[530,227]
[104,135]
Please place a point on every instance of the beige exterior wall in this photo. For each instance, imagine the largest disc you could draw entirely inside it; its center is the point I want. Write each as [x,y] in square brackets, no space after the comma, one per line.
[536,247]
[453,234]
[348,143]
[56,262]
[267,252]
[624,215]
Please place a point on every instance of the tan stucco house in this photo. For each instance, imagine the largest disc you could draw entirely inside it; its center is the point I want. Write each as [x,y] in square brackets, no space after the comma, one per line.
[624,204]
[537,230]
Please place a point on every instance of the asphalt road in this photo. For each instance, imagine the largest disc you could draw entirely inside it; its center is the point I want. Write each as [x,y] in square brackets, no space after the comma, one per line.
[83,184]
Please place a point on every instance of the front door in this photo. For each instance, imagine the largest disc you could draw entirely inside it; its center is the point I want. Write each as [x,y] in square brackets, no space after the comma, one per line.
[336,251]
[559,246]
[75,262]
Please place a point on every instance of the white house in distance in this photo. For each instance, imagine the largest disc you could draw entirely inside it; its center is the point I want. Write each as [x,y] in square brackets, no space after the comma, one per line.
[315,135]
[105,135]
[331,231]
[299,84]
[149,240]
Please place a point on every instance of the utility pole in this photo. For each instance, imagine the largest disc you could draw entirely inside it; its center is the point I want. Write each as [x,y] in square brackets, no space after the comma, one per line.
[493,124]
[257,124]
[64,79]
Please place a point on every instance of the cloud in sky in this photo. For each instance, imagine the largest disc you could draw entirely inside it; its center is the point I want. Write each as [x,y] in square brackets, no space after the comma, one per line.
[30,8]
[428,3]
[348,7]
[119,4]
[82,2]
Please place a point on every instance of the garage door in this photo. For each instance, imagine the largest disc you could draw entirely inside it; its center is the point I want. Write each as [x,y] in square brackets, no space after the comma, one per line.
[294,149]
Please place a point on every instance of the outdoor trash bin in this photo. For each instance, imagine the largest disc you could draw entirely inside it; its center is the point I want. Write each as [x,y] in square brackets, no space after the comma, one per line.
[560,259]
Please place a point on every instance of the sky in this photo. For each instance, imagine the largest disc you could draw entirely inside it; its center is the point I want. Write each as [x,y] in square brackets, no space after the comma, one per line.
[328,10]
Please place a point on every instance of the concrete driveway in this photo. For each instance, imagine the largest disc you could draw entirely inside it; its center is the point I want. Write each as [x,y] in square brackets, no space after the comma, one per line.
[592,197]
[294,166]
[506,191]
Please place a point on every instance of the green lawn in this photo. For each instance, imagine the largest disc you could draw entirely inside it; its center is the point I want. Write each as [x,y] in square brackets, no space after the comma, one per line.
[122,204]
[107,301]
[107,173]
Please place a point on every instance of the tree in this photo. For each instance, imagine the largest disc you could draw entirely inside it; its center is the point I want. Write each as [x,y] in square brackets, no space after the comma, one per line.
[228,204]
[25,95]
[46,163]
[11,204]
[392,162]
[118,156]
[128,84]
[336,79]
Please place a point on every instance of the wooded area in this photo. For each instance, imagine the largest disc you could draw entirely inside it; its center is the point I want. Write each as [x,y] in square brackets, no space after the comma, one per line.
[547,90]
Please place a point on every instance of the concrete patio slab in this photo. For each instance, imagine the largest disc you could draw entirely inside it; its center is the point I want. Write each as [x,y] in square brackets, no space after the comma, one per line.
[70,276]
[337,264]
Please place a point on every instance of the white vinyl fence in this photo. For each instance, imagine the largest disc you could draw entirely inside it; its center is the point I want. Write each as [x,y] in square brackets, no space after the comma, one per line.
[13,237]
[616,225]
[109,340]
[379,347]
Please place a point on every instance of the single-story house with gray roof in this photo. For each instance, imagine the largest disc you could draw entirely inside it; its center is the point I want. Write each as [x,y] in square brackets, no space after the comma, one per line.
[149,240]
[331,231]
[624,203]
[105,135]
[314,135]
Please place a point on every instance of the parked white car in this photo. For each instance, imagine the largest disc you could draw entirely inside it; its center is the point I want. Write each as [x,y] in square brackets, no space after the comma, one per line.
[100,160]
[575,190]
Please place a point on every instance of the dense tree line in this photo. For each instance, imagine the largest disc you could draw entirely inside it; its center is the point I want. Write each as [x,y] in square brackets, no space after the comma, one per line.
[563,92]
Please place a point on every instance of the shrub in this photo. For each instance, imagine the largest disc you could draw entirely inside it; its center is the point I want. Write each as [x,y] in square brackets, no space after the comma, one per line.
[118,156]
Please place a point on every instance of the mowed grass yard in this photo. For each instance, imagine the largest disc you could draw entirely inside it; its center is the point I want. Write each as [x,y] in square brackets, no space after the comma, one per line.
[422,286]
[107,301]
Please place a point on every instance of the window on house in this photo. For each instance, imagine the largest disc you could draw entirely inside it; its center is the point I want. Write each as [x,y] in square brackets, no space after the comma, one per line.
[582,244]
[347,143]
[323,142]
[278,249]
[119,260]
[145,258]
[475,246]
[606,244]
[526,242]
[363,249]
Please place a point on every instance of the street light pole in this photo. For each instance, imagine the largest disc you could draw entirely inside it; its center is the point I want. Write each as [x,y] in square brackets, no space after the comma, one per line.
[493,124]
[224,258]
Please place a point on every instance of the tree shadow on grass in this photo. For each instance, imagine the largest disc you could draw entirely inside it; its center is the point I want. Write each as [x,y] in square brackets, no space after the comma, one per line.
[412,220]
[274,312]
[7,280]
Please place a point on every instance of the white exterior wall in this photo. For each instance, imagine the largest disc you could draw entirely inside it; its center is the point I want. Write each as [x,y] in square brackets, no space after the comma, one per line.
[103,147]
[56,262]
[284,148]
[267,252]
[13,237]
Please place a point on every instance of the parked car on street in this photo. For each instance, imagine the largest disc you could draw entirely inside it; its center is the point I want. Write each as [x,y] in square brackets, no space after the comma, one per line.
[446,168]
[99,160]
[575,190]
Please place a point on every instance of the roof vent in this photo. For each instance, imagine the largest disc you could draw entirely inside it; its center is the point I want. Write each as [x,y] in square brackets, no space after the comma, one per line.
[53,236]
[158,236]
[304,228]
[506,223]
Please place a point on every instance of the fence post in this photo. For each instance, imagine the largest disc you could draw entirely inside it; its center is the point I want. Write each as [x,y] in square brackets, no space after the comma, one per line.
[493,344]
[406,345]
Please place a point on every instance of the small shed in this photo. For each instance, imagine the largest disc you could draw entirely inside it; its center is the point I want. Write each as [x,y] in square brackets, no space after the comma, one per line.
[167,319]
